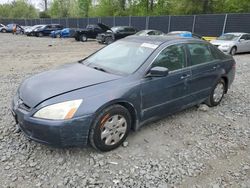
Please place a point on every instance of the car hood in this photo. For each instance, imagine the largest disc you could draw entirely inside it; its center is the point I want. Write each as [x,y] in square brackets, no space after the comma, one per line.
[103,27]
[222,42]
[70,77]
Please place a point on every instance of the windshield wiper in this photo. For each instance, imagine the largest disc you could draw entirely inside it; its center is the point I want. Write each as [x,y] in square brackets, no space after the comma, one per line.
[100,69]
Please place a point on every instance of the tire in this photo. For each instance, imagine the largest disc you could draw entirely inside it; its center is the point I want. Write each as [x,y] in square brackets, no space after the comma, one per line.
[4,31]
[217,93]
[104,134]
[40,34]
[83,38]
[233,51]
[58,36]
[108,40]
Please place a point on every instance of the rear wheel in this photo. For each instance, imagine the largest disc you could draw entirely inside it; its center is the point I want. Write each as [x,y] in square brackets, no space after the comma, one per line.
[4,30]
[233,51]
[83,38]
[110,128]
[217,93]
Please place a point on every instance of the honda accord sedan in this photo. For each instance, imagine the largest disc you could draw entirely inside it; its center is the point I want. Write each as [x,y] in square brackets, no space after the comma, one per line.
[101,98]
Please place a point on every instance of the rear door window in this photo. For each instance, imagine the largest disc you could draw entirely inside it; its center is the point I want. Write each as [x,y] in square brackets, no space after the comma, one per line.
[199,53]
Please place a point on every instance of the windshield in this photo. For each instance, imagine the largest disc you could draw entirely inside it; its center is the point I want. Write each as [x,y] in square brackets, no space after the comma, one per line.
[229,37]
[121,57]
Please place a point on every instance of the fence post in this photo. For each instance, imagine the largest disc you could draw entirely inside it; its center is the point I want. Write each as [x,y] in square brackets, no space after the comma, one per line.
[194,20]
[147,20]
[129,21]
[225,23]
[77,23]
[88,21]
[169,23]
[113,20]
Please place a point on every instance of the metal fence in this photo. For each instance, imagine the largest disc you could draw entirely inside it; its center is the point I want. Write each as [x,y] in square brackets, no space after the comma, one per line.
[205,25]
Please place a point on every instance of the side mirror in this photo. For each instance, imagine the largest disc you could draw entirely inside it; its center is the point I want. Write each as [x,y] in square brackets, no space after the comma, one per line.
[158,72]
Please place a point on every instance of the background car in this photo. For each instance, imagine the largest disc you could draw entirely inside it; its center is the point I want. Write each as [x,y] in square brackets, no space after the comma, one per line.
[3,28]
[115,33]
[186,34]
[9,28]
[91,31]
[47,29]
[99,99]
[232,43]
[64,33]
[30,31]
[149,32]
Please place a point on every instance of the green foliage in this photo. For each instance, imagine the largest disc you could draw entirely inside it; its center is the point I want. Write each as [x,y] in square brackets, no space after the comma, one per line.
[18,9]
[44,14]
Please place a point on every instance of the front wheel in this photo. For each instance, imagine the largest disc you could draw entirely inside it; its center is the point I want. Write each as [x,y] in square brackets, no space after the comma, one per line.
[4,30]
[40,34]
[233,51]
[83,38]
[217,93]
[108,40]
[110,128]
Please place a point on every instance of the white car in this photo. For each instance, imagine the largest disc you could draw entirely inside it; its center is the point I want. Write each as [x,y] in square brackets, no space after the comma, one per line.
[232,43]
[2,28]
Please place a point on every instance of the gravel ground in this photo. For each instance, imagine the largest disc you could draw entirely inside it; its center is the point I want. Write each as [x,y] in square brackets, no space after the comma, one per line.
[199,147]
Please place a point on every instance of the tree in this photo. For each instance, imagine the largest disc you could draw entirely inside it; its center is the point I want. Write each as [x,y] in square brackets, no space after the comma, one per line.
[18,9]
[84,6]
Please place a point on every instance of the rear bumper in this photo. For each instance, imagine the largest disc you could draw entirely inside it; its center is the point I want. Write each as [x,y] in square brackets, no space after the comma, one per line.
[73,132]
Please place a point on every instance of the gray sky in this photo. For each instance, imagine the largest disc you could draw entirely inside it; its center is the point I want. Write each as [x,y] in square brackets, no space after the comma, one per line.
[34,2]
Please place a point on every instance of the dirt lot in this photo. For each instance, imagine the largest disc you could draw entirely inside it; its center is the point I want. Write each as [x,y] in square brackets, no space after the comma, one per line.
[199,147]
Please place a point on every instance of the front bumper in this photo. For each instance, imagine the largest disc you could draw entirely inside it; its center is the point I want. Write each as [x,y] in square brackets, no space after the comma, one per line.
[63,133]
[100,38]
[226,50]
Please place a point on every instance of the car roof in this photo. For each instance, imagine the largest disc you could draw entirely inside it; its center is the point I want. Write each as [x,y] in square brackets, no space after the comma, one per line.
[158,40]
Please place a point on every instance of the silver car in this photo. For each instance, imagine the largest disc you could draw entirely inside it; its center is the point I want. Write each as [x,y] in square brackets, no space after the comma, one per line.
[232,43]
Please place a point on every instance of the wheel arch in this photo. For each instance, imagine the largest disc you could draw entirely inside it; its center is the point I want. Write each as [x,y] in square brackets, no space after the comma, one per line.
[128,105]
[226,82]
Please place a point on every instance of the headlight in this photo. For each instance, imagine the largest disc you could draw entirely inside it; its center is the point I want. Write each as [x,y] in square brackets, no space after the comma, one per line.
[59,111]
[225,46]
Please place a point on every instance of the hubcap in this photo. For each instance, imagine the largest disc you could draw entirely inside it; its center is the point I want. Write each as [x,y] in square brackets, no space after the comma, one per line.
[218,92]
[114,129]
[83,38]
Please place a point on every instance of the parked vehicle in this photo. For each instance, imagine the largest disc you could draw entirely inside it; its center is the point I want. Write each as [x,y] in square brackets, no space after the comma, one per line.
[91,31]
[30,31]
[115,33]
[149,32]
[232,43]
[47,29]
[10,28]
[64,33]
[3,28]
[101,98]
[186,34]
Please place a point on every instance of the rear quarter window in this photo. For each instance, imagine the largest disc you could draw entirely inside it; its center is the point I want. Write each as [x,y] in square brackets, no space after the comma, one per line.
[199,53]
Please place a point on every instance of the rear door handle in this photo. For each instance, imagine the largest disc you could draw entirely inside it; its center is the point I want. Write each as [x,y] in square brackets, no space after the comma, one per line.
[185,76]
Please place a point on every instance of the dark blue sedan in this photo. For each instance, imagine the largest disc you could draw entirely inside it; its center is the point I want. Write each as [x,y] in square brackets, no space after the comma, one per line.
[99,99]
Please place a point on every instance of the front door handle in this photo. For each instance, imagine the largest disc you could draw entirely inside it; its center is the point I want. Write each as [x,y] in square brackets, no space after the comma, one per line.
[185,76]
